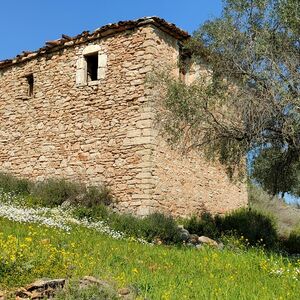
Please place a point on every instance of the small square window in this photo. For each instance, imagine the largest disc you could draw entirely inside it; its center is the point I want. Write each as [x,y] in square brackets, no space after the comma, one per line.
[30,83]
[92,66]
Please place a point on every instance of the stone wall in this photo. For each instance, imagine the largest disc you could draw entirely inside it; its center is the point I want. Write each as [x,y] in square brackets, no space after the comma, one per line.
[95,133]
[185,185]
[104,131]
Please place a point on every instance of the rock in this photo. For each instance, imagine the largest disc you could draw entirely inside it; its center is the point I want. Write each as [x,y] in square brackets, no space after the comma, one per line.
[66,204]
[23,293]
[41,295]
[199,246]
[127,294]
[207,241]
[157,241]
[42,285]
[220,246]
[194,239]
[2,296]
[124,291]
[90,280]
[183,233]
[40,289]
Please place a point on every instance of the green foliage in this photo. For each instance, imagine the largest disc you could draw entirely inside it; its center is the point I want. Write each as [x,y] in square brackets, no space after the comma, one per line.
[157,225]
[287,216]
[254,226]
[250,97]
[53,192]
[153,226]
[276,170]
[94,195]
[153,270]
[93,292]
[205,225]
[10,183]
[292,243]
[94,213]
[126,223]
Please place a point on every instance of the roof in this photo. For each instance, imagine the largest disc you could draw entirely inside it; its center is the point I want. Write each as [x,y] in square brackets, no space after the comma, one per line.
[110,29]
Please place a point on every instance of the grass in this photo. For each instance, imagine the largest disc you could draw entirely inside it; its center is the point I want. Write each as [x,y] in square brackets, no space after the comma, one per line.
[287,216]
[54,191]
[29,252]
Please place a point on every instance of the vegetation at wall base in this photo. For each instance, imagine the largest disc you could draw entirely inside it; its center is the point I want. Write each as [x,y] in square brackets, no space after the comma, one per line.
[291,244]
[255,227]
[29,252]
[55,191]
[255,262]
[153,226]
[10,183]
[90,203]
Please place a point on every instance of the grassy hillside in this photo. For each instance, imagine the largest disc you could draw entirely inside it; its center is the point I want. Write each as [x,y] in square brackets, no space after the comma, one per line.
[157,272]
[287,216]
[60,229]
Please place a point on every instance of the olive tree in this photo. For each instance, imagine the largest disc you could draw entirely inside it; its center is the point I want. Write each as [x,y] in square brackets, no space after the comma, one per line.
[251,101]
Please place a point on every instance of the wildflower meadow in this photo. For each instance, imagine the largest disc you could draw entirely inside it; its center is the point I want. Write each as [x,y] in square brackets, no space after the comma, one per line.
[43,242]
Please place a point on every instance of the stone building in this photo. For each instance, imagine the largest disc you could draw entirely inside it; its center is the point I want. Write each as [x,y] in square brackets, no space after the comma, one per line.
[79,108]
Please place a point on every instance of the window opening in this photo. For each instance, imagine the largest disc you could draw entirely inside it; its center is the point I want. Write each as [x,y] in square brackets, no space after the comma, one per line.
[92,66]
[30,82]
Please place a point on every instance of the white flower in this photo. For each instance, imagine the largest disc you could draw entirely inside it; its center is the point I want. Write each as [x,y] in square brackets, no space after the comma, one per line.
[52,217]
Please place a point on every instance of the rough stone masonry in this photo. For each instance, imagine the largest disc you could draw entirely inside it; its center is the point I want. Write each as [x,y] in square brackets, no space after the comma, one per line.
[80,108]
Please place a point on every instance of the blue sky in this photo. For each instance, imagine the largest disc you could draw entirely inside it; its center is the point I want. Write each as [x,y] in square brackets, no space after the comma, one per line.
[26,25]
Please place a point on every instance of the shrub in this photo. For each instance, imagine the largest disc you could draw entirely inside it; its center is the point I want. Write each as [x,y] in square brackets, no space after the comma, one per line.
[205,225]
[9,183]
[54,192]
[95,195]
[157,225]
[292,243]
[97,212]
[126,223]
[73,291]
[254,226]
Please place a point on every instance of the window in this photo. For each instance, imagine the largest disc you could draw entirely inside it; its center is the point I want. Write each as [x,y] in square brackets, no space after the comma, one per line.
[92,66]
[30,82]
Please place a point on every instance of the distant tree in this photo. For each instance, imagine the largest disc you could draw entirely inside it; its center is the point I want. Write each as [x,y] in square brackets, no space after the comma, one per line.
[274,172]
[251,99]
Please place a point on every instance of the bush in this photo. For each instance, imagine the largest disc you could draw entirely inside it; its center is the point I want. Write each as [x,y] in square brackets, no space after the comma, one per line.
[73,291]
[95,213]
[254,226]
[154,226]
[205,225]
[19,186]
[95,195]
[54,192]
[157,225]
[126,223]
[292,243]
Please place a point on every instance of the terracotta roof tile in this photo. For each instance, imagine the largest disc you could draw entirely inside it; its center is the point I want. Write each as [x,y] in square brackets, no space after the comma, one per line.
[67,41]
